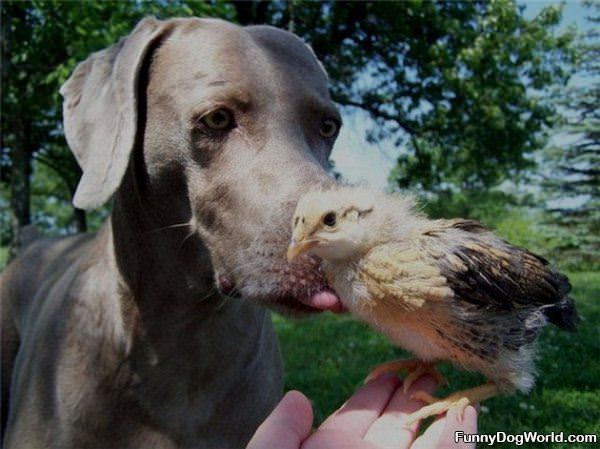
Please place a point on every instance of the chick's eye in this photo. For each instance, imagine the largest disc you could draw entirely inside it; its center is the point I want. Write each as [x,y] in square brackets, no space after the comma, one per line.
[218,120]
[329,128]
[329,219]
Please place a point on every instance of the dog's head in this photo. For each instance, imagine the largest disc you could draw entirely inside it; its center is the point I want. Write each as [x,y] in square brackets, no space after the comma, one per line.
[232,124]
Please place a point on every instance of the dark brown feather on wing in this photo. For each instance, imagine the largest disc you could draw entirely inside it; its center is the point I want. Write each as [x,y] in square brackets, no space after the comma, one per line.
[494,274]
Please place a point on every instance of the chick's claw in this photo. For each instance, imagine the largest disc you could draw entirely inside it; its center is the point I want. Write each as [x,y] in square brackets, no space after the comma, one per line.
[458,401]
[436,406]
[415,368]
[420,370]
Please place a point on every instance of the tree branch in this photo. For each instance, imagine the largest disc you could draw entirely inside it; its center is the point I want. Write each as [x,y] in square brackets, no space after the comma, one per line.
[376,112]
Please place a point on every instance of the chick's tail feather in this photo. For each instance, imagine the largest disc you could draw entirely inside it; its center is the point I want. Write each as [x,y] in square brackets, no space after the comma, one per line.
[563,314]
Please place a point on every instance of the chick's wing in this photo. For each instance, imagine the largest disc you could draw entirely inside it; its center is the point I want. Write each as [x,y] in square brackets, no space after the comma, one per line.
[403,275]
[487,271]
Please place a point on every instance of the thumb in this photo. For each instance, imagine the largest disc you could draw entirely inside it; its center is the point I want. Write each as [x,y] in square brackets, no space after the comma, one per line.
[287,426]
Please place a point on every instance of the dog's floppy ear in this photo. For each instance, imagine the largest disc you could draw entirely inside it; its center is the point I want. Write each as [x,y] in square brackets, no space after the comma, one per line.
[100,111]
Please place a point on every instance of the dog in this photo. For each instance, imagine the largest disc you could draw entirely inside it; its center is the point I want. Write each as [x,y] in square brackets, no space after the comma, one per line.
[153,332]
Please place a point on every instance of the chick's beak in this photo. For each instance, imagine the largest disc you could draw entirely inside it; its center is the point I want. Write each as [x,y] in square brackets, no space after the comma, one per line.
[298,247]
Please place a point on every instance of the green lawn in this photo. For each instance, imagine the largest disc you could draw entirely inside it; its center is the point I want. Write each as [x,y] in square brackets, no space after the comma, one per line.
[327,358]
[3,256]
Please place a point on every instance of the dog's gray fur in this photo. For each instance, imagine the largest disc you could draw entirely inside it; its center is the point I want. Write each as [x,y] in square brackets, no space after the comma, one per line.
[121,339]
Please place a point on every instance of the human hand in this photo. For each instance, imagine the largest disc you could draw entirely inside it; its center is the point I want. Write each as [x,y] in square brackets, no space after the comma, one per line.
[373,418]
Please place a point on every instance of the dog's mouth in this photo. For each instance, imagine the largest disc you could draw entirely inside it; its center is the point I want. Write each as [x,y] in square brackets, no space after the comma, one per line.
[297,287]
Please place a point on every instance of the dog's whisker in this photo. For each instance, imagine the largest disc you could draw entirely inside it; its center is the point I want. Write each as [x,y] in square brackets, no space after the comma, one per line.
[192,232]
[211,292]
[177,225]
[243,266]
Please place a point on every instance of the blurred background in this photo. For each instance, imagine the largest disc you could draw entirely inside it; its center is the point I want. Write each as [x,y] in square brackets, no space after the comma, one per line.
[485,109]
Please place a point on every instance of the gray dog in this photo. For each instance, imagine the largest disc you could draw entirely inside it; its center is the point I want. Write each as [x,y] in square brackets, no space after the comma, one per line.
[151,333]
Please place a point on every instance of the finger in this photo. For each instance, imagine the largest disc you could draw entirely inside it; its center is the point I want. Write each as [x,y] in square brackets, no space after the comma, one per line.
[453,428]
[358,413]
[389,430]
[442,433]
[333,439]
[287,426]
[432,436]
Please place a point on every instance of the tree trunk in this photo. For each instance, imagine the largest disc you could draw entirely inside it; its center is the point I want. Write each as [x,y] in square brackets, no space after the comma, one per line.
[260,14]
[251,12]
[78,214]
[292,20]
[20,188]
[244,12]
[80,219]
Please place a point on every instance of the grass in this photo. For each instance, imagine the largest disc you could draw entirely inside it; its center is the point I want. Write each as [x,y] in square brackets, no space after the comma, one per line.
[3,256]
[327,358]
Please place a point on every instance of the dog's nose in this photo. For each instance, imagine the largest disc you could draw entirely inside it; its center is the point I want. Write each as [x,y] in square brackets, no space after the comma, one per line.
[226,286]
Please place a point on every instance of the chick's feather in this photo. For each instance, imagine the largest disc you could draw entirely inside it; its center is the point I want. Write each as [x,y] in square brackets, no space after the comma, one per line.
[473,297]
[445,289]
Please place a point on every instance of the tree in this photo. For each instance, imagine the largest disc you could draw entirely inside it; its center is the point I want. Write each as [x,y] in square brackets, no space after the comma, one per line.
[41,43]
[572,180]
[453,83]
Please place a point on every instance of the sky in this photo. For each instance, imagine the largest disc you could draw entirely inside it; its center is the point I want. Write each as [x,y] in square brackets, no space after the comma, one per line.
[359,161]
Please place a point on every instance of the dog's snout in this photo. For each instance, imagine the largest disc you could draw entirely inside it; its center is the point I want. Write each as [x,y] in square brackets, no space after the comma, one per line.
[226,286]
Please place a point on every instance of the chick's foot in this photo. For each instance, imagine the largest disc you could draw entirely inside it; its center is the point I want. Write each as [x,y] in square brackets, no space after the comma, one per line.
[415,368]
[459,400]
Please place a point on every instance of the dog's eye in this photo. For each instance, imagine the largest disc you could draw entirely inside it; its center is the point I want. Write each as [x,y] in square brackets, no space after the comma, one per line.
[329,128]
[329,219]
[218,120]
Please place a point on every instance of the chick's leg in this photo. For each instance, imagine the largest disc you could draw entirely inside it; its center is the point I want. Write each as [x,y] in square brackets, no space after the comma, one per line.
[415,368]
[459,400]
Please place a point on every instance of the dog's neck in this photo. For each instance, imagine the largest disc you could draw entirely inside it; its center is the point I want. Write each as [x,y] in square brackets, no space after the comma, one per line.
[166,270]
[182,341]
[176,319]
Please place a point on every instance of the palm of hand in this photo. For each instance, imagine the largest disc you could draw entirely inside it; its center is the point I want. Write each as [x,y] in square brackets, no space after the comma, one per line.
[373,418]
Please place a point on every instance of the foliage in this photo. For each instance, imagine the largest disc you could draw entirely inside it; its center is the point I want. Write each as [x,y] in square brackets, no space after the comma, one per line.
[50,198]
[486,119]
[41,43]
[328,357]
[457,83]
[571,179]
[487,206]
[460,86]
[520,227]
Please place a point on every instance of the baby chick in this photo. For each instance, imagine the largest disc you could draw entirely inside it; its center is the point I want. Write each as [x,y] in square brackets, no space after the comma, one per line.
[442,289]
